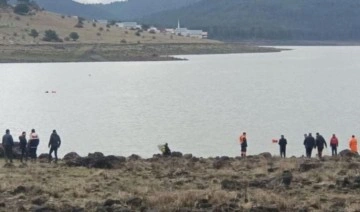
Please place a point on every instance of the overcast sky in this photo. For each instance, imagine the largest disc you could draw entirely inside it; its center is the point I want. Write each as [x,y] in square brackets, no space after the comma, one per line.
[96,1]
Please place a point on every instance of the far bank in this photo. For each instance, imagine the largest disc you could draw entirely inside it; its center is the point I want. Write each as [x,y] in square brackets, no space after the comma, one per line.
[118,52]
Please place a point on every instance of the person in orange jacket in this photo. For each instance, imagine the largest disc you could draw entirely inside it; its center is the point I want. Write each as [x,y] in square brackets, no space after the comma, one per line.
[243,144]
[353,144]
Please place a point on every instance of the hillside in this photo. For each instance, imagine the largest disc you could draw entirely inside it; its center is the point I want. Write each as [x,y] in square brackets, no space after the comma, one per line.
[269,20]
[127,10]
[15,29]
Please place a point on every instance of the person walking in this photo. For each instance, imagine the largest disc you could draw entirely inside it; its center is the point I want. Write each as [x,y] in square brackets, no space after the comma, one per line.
[23,146]
[353,144]
[309,144]
[8,143]
[243,144]
[54,144]
[33,144]
[320,143]
[282,144]
[334,143]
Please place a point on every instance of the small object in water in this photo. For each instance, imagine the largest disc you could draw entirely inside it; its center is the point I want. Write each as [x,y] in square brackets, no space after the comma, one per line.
[53,91]
[46,91]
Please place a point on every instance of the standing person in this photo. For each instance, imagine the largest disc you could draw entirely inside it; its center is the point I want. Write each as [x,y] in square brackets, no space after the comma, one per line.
[243,144]
[309,144]
[33,144]
[334,143]
[353,144]
[282,144]
[167,151]
[54,144]
[8,143]
[23,146]
[320,143]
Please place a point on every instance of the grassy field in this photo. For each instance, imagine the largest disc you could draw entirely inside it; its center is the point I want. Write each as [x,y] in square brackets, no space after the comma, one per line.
[185,184]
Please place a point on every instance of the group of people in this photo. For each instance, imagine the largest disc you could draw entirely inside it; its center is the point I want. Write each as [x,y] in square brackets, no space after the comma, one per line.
[29,147]
[318,142]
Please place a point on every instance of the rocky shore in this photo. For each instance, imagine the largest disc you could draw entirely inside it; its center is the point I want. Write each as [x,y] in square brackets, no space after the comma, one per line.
[181,183]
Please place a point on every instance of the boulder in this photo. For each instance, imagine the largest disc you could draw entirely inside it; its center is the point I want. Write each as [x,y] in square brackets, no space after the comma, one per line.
[308,165]
[188,156]
[266,155]
[348,153]
[73,159]
[176,154]
[98,160]
[134,157]
[287,178]
[231,185]
[134,202]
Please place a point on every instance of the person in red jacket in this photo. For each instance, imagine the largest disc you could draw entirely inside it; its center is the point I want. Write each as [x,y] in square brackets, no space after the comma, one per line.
[334,143]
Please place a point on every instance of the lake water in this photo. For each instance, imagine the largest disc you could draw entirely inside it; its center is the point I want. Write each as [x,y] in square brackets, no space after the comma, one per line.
[198,106]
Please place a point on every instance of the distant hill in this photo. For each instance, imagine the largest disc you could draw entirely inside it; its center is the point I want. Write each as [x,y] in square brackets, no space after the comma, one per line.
[268,19]
[127,10]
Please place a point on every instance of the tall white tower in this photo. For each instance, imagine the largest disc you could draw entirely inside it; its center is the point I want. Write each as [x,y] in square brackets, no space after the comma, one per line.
[178,24]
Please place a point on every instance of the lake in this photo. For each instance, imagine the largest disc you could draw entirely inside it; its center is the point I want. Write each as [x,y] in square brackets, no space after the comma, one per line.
[199,106]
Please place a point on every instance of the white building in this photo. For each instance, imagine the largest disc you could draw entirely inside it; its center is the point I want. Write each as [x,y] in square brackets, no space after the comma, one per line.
[189,33]
[128,25]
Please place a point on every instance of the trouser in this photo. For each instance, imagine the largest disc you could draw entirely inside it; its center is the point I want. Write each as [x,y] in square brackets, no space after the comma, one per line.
[320,151]
[308,151]
[243,151]
[283,152]
[334,150]
[8,153]
[53,149]
[23,154]
[32,152]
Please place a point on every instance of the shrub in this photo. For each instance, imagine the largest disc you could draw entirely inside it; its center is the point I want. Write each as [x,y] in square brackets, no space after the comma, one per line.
[21,9]
[101,29]
[67,39]
[152,31]
[123,41]
[94,24]
[137,33]
[108,25]
[33,33]
[74,36]
[51,36]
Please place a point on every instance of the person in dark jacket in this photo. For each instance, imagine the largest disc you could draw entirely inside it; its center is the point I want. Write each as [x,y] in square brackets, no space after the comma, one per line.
[167,151]
[320,143]
[334,143]
[33,144]
[23,146]
[54,144]
[282,144]
[8,143]
[309,144]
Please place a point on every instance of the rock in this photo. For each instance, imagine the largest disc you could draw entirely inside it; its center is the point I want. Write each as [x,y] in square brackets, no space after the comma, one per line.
[231,185]
[202,204]
[308,165]
[134,202]
[110,202]
[188,156]
[43,156]
[40,200]
[73,159]
[266,155]
[134,157]
[96,155]
[19,189]
[98,160]
[224,158]
[348,153]
[176,154]
[287,178]
[264,209]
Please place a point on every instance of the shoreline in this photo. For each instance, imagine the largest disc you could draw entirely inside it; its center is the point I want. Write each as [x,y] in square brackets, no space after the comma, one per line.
[181,183]
[119,52]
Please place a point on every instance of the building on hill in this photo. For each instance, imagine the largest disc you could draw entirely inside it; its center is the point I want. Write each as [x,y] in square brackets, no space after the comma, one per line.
[128,25]
[189,32]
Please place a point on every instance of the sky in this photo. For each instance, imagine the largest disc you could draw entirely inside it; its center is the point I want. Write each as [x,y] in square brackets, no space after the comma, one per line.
[96,1]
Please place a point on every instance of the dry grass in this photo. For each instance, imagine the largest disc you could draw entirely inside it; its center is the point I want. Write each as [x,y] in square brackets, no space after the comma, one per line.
[11,24]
